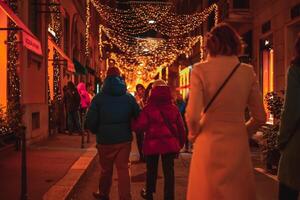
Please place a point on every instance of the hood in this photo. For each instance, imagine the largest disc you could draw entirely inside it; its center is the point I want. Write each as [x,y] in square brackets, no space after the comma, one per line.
[114,86]
[160,95]
[81,87]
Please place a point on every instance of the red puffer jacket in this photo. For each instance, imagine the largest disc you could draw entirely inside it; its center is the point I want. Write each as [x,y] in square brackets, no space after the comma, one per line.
[158,137]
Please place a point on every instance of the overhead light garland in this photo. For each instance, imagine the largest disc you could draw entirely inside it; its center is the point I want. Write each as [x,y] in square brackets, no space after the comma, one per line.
[152,16]
[143,56]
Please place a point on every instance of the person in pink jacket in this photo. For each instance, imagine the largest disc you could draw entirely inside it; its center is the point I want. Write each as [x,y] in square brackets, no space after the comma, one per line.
[85,102]
[164,131]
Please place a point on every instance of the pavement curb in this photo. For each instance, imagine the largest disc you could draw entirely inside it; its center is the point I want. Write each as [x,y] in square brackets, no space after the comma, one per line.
[64,188]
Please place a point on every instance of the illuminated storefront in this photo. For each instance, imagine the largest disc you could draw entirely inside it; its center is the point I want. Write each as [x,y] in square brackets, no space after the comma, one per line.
[267,70]
[184,80]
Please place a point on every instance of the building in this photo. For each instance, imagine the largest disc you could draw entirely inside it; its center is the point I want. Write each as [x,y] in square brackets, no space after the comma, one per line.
[269,30]
[44,50]
[23,73]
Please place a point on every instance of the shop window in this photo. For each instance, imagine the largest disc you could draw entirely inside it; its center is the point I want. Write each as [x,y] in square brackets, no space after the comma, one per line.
[267,70]
[241,4]
[35,17]
[295,11]
[35,121]
[266,27]
[184,81]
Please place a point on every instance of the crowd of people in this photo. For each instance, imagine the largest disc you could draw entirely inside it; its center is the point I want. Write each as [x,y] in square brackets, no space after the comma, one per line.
[76,101]
[211,121]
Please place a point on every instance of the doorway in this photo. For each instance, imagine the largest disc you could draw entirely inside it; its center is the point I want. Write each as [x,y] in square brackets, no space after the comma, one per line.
[267,69]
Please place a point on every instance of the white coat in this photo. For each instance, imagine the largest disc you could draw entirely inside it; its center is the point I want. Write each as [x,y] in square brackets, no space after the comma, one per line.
[221,167]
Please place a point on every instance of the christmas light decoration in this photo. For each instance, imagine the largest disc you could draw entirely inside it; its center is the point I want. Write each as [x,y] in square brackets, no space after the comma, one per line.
[136,20]
[14,111]
[56,25]
[87,27]
[142,58]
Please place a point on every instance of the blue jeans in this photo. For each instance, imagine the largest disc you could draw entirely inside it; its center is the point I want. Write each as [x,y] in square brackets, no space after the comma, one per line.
[73,121]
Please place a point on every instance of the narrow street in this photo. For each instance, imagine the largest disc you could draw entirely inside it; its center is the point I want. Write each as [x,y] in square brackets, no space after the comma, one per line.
[265,186]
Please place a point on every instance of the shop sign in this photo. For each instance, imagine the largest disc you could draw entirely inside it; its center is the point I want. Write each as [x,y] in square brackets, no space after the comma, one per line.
[31,43]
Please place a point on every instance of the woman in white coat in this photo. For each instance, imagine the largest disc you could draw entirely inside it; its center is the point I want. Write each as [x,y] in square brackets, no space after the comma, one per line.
[221,167]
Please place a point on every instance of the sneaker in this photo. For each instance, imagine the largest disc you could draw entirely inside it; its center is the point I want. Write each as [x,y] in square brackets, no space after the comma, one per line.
[99,196]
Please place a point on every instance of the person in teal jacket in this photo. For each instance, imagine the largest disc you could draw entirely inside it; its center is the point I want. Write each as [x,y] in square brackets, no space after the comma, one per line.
[289,134]
[109,117]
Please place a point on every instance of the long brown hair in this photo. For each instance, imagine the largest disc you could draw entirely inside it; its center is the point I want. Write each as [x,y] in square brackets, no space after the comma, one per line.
[223,39]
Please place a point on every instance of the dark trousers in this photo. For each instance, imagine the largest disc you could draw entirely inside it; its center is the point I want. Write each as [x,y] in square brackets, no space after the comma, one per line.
[168,170]
[139,141]
[287,193]
[73,121]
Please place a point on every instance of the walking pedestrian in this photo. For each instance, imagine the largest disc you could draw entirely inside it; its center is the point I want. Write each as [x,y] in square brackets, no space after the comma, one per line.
[221,89]
[109,117]
[85,102]
[289,133]
[140,92]
[164,137]
[72,101]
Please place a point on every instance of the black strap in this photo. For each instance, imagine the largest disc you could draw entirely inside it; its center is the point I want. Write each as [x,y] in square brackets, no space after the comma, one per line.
[220,89]
[169,125]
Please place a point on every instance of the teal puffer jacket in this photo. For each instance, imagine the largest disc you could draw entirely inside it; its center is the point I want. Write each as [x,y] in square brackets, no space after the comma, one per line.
[111,112]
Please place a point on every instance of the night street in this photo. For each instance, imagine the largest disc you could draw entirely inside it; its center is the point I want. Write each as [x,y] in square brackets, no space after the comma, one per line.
[266,187]
[149,99]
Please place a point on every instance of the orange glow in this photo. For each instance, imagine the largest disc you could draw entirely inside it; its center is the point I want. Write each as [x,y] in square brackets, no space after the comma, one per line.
[271,78]
[184,81]
[3,61]
[268,74]
[50,70]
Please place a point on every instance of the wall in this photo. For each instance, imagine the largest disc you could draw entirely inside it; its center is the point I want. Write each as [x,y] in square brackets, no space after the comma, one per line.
[34,92]
[281,33]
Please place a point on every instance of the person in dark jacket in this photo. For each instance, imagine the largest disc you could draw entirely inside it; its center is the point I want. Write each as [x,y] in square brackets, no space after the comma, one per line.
[109,117]
[164,136]
[289,134]
[72,102]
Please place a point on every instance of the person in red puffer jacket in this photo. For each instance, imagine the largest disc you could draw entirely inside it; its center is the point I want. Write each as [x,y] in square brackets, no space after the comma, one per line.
[164,131]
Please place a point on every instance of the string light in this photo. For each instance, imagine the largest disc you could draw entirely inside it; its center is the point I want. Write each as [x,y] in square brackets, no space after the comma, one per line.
[141,58]
[87,29]
[56,26]
[136,20]
[14,111]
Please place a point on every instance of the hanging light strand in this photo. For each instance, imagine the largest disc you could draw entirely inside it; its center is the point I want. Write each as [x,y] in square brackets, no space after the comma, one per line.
[87,29]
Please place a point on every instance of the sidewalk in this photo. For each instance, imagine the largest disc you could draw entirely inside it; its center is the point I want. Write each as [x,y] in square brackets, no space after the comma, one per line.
[47,163]
[266,187]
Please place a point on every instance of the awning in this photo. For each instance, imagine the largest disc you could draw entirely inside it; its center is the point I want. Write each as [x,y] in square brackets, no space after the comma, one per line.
[62,53]
[29,40]
[80,69]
